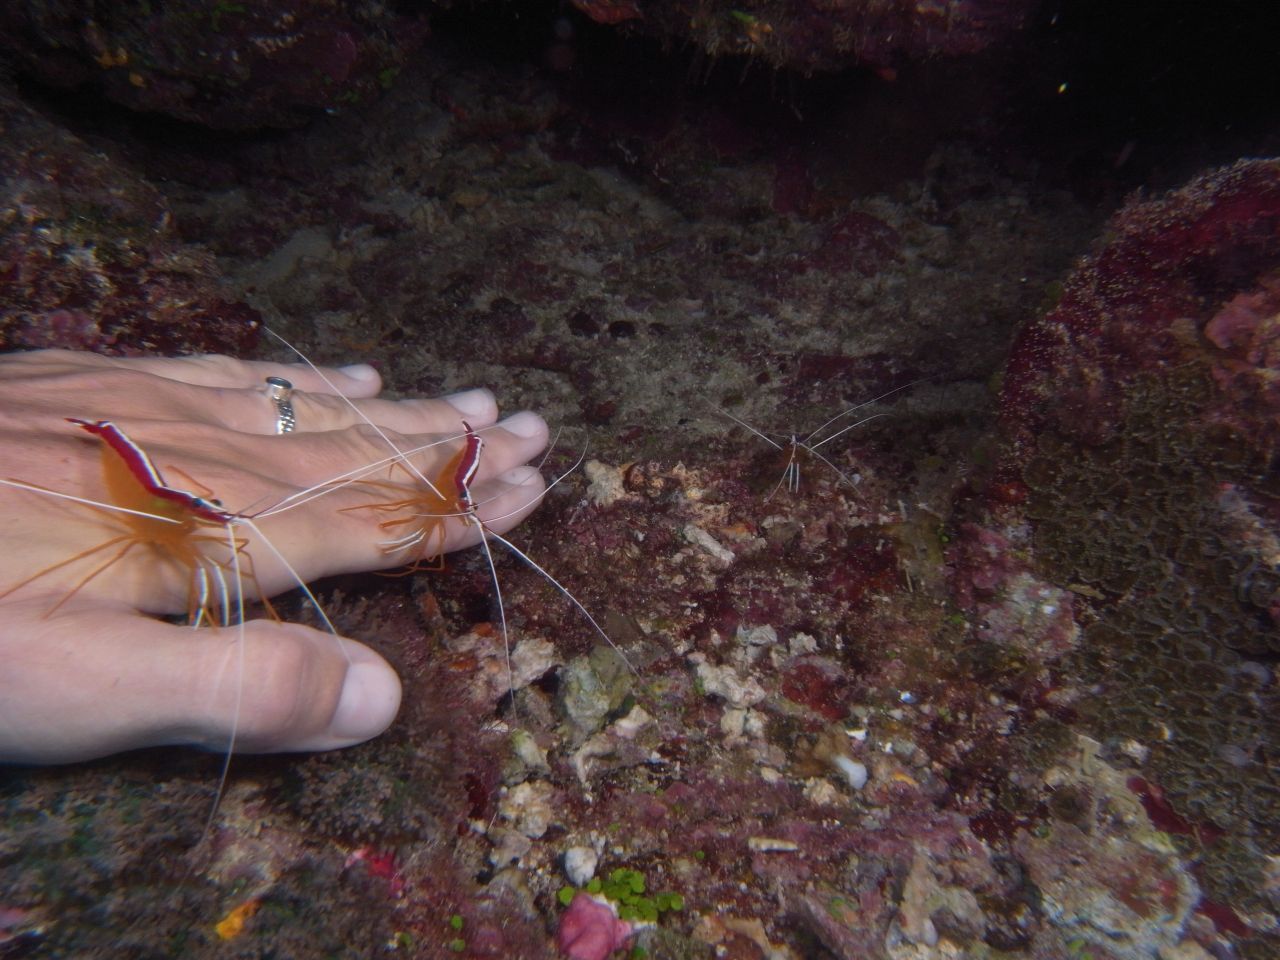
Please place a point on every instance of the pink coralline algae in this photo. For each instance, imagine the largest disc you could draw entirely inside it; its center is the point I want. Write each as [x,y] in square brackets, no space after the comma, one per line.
[90,259]
[1181,265]
[981,564]
[590,929]
[1236,327]
[1247,332]
[1012,607]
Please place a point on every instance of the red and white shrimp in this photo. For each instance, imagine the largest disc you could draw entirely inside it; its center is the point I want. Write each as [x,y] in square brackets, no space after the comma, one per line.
[172,526]
[423,506]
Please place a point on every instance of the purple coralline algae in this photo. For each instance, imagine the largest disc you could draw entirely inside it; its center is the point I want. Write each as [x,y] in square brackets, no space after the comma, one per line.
[90,259]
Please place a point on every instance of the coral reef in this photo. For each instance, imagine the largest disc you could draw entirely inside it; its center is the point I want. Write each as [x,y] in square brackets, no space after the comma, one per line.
[1145,410]
[231,66]
[992,686]
[1199,261]
[89,258]
[809,35]
[279,64]
[238,66]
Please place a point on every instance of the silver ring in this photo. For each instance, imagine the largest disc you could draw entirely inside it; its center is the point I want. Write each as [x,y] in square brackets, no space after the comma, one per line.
[279,390]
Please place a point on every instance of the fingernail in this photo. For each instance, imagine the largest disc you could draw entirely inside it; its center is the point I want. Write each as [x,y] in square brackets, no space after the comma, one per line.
[359,371]
[472,403]
[524,424]
[368,703]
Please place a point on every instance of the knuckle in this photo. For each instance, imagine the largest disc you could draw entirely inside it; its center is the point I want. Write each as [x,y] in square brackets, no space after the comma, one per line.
[322,411]
[366,442]
[220,363]
[289,696]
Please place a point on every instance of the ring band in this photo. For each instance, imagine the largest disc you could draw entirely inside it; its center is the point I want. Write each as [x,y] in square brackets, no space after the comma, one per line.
[279,390]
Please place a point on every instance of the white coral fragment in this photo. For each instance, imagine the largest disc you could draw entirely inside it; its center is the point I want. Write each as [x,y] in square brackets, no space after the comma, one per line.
[607,484]
[529,808]
[725,683]
[700,538]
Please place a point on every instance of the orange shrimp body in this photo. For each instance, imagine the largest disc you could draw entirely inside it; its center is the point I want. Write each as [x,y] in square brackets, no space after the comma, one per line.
[432,505]
[173,536]
[175,529]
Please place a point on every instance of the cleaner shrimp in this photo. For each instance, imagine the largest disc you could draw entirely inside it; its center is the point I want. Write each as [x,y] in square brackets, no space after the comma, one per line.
[423,508]
[174,534]
[797,448]
[426,508]
[172,526]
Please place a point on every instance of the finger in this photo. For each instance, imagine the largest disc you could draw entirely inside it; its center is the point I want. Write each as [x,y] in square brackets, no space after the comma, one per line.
[516,440]
[254,412]
[214,370]
[207,370]
[95,681]
[297,689]
[376,528]
[306,460]
[503,503]
[220,391]
[511,442]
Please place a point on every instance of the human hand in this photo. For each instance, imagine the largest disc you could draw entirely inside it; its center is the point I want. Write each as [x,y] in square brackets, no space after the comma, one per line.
[88,671]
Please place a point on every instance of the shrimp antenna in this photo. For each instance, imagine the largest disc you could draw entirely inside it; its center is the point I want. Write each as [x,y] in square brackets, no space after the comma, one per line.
[502,610]
[791,471]
[560,478]
[742,423]
[225,769]
[843,413]
[534,565]
[354,476]
[36,488]
[297,578]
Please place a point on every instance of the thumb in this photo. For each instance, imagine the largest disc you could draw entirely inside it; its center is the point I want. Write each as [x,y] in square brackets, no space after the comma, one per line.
[281,687]
[85,683]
